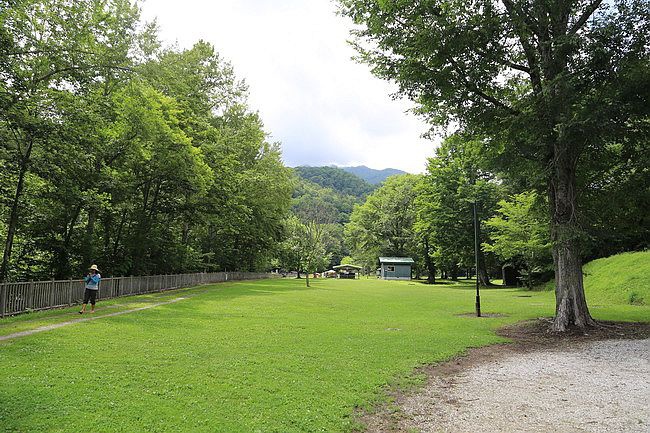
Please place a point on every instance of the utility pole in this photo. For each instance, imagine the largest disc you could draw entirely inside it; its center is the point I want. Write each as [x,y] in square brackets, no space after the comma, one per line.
[476,228]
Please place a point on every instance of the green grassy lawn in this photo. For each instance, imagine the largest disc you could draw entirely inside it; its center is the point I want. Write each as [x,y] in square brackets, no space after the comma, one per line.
[619,279]
[267,356]
[35,319]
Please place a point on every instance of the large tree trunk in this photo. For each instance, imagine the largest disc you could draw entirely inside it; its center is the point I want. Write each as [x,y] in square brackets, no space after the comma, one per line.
[89,249]
[62,257]
[431,266]
[13,215]
[570,303]
[482,274]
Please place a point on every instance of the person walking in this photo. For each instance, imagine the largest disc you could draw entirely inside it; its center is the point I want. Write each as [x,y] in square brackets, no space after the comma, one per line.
[92,288]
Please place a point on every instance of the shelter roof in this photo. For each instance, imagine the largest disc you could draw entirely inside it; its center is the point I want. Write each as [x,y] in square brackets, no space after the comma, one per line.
[400,260]
[348,267]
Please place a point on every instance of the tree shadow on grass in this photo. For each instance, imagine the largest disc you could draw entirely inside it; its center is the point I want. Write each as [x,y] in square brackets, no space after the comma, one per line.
[437,283]
[223,292]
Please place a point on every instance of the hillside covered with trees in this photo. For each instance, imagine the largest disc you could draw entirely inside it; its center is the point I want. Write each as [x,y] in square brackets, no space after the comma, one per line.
[336,179]
[323,199]
[371,175]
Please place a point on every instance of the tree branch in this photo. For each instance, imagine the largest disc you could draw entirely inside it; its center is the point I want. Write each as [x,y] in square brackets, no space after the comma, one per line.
[505,62]
[78,68]
[524,28]
[474,89]
[523,18]
[34,52]
[585,16]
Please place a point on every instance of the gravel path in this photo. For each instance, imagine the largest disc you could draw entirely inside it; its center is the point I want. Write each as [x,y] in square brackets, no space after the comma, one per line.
[595,386]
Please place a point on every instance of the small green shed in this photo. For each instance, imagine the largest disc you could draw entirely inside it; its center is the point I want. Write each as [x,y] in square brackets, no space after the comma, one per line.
[395,268]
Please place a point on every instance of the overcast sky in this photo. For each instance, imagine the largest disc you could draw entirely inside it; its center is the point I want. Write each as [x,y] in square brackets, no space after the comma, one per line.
[322,106]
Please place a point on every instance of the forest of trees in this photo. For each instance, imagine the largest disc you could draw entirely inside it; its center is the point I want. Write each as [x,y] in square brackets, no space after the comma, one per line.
[336,179]
[119,151]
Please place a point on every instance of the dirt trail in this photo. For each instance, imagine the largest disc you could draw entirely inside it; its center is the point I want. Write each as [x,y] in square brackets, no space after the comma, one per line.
[599,382]
[87,317]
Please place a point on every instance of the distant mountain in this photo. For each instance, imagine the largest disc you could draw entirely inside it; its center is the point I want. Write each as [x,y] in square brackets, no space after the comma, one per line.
[371,175]
[337,179]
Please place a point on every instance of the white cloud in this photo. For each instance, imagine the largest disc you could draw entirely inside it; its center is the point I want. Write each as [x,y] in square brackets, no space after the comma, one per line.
[322,106]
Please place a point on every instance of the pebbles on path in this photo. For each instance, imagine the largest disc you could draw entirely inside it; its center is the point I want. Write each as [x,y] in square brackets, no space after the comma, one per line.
[597,386]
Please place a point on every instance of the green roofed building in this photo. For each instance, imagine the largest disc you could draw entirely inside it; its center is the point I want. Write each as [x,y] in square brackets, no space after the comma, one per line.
[395,268]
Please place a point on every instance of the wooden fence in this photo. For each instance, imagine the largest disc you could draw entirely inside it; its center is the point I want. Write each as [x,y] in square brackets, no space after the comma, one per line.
[21,297]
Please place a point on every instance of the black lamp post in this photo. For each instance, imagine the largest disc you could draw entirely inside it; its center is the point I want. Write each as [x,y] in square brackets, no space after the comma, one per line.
[476,228]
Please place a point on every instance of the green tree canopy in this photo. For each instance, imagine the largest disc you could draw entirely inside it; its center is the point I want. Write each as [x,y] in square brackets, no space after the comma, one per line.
[545,82]
[520,233]
[453,183]
[118,151]
[384,224]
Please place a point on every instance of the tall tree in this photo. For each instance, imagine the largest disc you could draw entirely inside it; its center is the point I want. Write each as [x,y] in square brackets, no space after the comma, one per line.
[48,49]
[520,233]
[384,224]
[542,79]
[312,220]
[453,184]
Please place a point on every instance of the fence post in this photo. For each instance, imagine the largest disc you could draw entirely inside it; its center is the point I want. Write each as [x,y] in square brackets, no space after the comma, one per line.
[70,291]
[3,299]
[30,295]
[51,293]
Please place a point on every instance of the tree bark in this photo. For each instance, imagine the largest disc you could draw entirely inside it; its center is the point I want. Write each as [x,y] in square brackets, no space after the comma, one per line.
[13,215]
[482,274]
[89,246]
[570,303]
[431,266]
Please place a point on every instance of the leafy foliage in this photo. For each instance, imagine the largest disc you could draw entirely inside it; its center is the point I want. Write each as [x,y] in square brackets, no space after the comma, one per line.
[337,179]
[337,204]
[549,86]
[384,224]
[520,233]
[121,152]
[453,183]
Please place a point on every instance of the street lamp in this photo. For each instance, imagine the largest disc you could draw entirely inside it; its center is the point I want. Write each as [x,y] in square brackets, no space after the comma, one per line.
[476,228]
